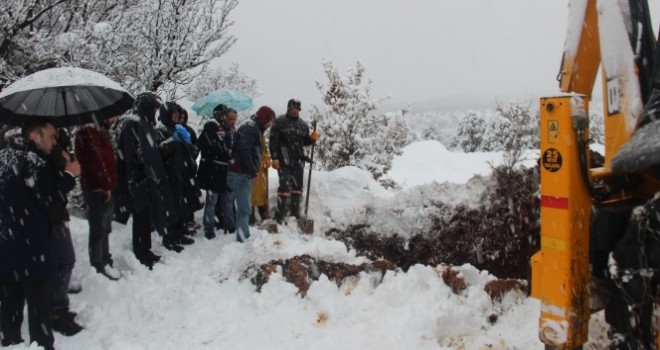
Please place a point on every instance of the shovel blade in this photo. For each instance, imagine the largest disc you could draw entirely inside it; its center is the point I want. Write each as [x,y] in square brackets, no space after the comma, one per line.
[306,225]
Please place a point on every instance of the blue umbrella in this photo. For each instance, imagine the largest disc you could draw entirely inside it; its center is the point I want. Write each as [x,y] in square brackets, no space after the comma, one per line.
[232,99]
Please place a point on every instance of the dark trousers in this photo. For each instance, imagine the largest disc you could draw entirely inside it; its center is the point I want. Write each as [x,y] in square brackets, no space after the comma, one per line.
[99,217]
[142,235]
[66,259]
[291,178]
[289,192]
[13,296]
[175,231]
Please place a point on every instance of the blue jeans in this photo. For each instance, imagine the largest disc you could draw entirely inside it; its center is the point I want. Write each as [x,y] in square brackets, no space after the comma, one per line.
[228,218]
[209,212]
[240,184]
[227,203]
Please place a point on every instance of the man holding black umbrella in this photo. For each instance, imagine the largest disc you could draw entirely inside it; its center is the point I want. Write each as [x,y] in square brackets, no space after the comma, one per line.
[27,261]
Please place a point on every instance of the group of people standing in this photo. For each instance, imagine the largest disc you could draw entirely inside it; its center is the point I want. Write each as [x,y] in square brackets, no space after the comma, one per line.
[128,166]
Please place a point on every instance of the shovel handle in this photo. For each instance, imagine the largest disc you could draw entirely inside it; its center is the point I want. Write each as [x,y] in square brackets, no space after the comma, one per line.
[309,176]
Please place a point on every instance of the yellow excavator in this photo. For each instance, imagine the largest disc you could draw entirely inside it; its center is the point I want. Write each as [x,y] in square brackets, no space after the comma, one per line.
[600,223]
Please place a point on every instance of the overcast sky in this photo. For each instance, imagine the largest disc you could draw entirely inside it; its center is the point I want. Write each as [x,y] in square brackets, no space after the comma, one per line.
[413,50]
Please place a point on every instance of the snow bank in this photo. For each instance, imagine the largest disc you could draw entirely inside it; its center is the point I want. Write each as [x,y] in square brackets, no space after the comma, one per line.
[429,161]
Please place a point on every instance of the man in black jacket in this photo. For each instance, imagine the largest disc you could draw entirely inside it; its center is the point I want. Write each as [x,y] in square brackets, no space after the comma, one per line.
[143,187]
[287,138]
[247,157]
[176,149]
[215,144]
[28,191]
[65,256]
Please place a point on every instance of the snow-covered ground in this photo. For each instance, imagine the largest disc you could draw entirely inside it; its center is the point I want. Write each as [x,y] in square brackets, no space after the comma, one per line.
[201,299]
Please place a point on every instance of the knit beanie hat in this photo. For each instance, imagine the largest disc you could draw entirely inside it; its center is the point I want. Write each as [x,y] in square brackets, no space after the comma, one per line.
[265,115]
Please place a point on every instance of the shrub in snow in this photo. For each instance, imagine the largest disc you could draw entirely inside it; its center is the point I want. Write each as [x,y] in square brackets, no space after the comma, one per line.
[353,134]
[500,235]
[470,134]
[513,126]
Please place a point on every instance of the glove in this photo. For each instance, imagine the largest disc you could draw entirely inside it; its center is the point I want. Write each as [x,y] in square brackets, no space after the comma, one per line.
[314,136]
[267,163]
[276,164]
[181,134]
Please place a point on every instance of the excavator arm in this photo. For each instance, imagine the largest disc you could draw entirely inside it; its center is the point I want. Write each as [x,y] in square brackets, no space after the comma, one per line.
[585,210]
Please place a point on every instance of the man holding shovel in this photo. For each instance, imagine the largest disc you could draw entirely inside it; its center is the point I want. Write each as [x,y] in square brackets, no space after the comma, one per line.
[288,135]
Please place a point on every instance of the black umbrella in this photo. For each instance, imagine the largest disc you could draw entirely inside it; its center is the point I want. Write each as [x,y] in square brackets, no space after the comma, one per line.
[65,96]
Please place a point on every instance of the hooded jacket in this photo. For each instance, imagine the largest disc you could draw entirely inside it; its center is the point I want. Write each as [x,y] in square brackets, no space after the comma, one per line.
[141,174]
[179,164]
[247,147]
[215,144]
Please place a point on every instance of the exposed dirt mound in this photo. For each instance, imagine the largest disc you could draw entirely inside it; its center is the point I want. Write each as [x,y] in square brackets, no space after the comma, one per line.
[303,269]
[499,236]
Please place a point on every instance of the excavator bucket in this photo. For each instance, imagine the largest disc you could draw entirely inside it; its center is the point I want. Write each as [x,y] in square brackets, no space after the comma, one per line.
[643,148]
[630,72]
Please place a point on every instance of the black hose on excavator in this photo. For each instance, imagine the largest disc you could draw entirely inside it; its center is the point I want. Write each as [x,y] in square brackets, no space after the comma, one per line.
[584,168]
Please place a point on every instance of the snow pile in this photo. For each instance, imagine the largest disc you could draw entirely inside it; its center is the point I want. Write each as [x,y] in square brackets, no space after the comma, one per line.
[428,161]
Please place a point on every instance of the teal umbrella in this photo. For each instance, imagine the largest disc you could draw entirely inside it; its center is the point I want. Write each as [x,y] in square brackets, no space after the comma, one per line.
[232,99]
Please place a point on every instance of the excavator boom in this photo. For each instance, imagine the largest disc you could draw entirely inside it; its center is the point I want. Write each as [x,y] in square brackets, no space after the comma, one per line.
[615,38]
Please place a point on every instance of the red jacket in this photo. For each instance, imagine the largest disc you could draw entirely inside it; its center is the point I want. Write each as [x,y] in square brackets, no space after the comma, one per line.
[98,169]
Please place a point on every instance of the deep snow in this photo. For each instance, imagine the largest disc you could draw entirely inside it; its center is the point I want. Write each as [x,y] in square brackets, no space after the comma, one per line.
[201,299]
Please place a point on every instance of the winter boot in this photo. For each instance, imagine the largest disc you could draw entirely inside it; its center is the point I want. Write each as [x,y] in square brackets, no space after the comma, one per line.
[169,242]
[110,272]
[181,237]
[252,219]
[64,324]
[264,213]
[177,234]
[282,206]
[74,288]
[185,240]
[295,205]
[148,259]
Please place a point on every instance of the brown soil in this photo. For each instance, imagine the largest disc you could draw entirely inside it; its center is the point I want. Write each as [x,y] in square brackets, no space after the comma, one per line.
[499,236]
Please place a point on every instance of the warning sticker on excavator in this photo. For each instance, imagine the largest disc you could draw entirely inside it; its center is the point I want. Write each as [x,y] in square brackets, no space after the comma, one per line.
[552,160]
[553,131]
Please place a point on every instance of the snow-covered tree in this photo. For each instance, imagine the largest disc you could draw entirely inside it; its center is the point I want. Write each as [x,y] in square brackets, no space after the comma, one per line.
[596,126]
[353,134]
[470,134]
[513,128]
[175,36]
[522,132]
[216,78]
[153,45]
[24,43]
